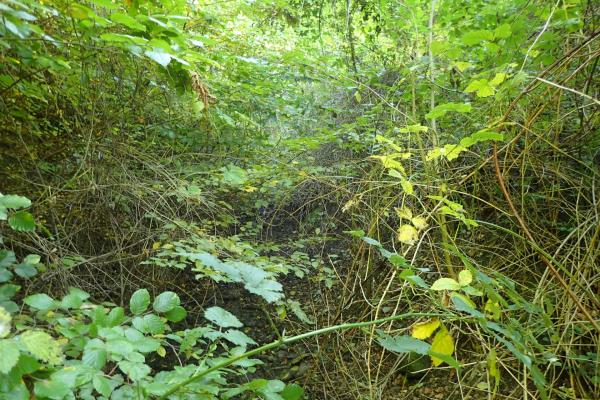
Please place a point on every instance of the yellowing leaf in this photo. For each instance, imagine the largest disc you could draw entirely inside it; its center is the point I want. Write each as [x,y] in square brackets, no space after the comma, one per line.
[404,212]
[250,189]
[445,284]
[161,351]
[407,234]
[465,277]
[498,79]
[419,222]
[425,329]
[155,245]
[407,187]
[442,344]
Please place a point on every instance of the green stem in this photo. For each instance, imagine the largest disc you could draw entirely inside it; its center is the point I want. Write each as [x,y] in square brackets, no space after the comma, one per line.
[288,340]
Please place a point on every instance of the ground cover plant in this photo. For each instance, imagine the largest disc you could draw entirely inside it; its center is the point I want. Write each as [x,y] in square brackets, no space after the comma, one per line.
[299,199]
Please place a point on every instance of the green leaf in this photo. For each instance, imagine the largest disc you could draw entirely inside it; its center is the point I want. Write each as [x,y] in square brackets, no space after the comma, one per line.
[115,317]
[222,318]
[475,37]
[403,344]
[165,302]
[176,314]
[135,371]
[153,324]
[102,385]
[128,21]
[5,322]
[442,109]
[139,301]
[22,221]
[41,302]
[25,270]
[9,355]
[465,277]
[51,389]
[14,201]
[238,338]
[442,345]
[42,346]
[292,392]
[502,31]
[159,56]
[482,87]
[94,354]
[445,284]
[234,175]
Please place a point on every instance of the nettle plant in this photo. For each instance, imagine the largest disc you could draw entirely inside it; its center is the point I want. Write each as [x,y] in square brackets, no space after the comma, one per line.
[74,348]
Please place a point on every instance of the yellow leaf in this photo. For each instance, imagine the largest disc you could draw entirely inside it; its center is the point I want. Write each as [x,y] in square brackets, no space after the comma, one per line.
[407,187]
[425,329]
[161,351]
[465,277]
[442,344]
[250,189]
[419,222]
[407,234]
[155,245]
[404,212]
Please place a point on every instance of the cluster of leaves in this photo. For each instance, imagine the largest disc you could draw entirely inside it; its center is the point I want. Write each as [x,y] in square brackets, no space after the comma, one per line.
[74,348]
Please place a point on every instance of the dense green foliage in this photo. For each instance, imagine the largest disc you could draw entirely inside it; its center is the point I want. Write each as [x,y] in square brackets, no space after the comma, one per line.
[191,191]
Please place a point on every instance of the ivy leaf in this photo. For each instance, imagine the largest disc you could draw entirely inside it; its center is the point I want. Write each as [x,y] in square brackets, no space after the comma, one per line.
[9,355]
[442,344]
[425,329]
[403,344]
[40,301]
[22,221]
[165,302]
[445,284]
[139,301]
[222,318]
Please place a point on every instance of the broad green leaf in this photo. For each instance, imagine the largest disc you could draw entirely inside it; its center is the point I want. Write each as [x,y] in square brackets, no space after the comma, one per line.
[477,36]
[498,79]
[465,277]
[159,56]
[41,302]
[25,270]
[442,344]
[222,318]
[153,324]
[176,314]
[423,330]
[165,302]
[139,301]
[94,354]
[238,338]
[5,322]
[115,317]
[445,284]
[502,31]
[102,385]
[442,109]
[128,21]
[481,86]
[234,175]
[14,201]
[403,344]
[134,370]
[42,346]
[22,221]
[51,389]
[9,355]
[292,392]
